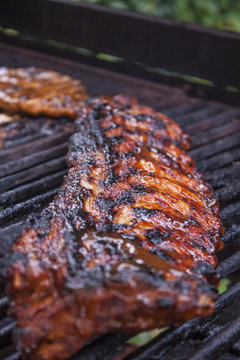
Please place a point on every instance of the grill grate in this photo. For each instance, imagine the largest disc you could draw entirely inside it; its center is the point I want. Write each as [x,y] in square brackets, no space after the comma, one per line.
[32,166]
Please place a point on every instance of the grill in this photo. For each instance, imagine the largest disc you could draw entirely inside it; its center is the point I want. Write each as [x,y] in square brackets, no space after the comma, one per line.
[32,166]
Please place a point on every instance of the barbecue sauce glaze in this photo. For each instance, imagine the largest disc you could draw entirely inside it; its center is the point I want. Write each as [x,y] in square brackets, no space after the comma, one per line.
[128,243]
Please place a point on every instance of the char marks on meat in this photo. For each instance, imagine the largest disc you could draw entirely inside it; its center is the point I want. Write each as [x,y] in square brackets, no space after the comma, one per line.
[128,243]
[35,91]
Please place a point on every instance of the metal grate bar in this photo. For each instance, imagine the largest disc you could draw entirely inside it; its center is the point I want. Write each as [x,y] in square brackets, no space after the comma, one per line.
[236,348]
[219,132]
[22,141]
[33,159]
[231,234]
[3,302]
[230,265]
[25,207]
[230,211]
[6,326]
[107,347]
[221,342]
[220,160]
[29,190]
[229,192]
[185,109]
[210,122]
[171,102]
[215,148]
[15,356]
[26,149]
[220,177]
[196,116]
[35,172]
[18,134]
[9,353]
[10,229]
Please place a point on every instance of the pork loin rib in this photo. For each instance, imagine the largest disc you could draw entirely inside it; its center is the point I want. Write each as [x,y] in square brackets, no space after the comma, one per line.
[127,244]
[35,91]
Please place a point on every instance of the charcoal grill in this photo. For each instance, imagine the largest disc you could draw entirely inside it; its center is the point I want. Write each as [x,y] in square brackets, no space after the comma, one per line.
[32,154]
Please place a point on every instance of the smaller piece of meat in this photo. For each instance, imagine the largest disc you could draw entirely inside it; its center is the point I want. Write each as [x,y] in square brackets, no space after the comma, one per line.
[35,91]
[6,118]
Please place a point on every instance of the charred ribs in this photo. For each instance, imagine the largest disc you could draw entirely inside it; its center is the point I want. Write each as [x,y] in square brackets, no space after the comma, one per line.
[128,244]
[36,91]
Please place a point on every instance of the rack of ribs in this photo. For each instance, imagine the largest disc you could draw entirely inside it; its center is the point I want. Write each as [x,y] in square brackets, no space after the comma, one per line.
[36,91]
[128,243]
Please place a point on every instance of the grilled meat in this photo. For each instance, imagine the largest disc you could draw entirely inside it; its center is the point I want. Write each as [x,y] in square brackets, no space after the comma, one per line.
[6,118]
[127,244]
[36,91]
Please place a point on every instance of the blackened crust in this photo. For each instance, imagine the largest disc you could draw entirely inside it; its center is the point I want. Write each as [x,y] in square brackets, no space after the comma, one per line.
[128,244]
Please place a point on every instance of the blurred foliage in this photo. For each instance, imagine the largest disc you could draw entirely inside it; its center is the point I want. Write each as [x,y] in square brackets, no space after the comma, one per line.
[145,336]
[223,14]
[223,285]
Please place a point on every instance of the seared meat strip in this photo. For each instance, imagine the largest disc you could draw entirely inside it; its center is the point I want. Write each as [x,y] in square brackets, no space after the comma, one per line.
[128,243]
[36,91]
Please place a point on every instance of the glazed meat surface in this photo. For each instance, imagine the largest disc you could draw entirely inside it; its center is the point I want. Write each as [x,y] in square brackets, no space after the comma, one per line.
[128,243]
[35,91]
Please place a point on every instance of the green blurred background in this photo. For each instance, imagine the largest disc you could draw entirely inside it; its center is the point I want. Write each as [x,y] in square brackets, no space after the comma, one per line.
[221,14]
